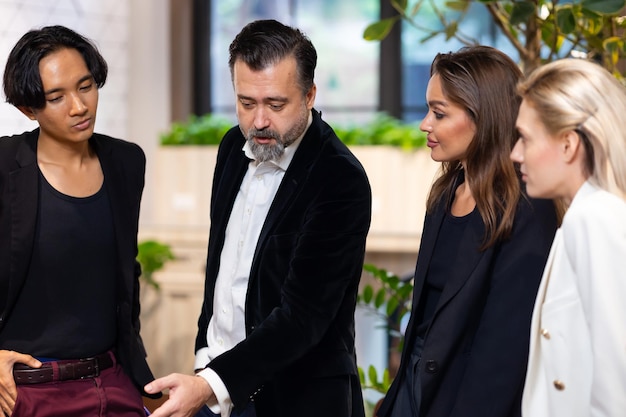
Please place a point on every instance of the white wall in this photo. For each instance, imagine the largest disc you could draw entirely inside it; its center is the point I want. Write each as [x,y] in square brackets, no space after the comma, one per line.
[149,100]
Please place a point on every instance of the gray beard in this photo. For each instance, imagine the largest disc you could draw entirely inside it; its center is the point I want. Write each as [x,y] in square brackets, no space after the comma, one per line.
[273,152]
[264,153]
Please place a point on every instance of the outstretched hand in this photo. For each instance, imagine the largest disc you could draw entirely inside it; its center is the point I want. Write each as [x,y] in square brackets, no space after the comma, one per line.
[187,395]
[8,391]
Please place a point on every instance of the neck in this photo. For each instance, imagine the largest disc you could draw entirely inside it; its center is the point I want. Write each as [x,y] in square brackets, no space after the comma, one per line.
[49,151]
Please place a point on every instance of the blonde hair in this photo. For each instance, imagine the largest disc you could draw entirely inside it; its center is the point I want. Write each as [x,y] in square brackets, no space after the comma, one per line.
[578,95]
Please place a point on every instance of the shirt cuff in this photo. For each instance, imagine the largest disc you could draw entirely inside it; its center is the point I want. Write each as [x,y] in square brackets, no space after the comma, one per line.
[202,358]
[222,404]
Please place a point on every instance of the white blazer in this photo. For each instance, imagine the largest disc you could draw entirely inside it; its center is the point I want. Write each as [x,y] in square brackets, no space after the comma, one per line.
[577,358]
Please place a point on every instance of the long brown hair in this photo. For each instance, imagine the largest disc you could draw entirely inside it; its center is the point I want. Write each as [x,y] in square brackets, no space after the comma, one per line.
[483,81]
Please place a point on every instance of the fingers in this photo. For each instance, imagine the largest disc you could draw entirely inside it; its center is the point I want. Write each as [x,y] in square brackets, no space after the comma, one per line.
[167,409]
[187,394]
[6,403]
[8,390]
[160,384]
[9,357]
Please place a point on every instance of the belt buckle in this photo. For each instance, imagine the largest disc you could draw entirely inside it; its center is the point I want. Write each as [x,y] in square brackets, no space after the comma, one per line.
[96,367]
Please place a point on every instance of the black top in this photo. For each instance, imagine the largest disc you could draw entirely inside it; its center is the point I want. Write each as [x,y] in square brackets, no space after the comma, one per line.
[71,280]
[445,253]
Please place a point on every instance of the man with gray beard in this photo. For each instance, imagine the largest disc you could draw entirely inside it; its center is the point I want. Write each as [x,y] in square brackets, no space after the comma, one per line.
[290,212]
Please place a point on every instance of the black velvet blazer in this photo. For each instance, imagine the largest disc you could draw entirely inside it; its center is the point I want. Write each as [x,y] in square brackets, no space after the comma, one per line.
[303,280]
[123,165]
[475,351]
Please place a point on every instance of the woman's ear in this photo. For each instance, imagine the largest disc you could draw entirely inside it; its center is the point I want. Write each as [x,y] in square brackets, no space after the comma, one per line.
[571,145]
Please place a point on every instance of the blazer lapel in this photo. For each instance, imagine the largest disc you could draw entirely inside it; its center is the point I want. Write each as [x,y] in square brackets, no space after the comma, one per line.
[432,224]
[225,191]
[295,175]
[429,239]
[114,182]
[23,188]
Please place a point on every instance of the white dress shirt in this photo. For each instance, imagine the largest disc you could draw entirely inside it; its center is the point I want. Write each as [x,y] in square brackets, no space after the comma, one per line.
[227,325]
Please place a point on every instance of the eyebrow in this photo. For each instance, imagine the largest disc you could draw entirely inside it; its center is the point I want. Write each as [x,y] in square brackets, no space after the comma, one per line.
[56,90]
[265,99]
[437,103]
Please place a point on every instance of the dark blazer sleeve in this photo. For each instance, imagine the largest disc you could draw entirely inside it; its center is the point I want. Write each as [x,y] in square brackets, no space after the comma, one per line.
[493,381]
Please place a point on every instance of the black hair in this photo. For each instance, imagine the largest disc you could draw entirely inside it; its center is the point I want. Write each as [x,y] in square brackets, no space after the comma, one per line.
[265,42]
[22,80]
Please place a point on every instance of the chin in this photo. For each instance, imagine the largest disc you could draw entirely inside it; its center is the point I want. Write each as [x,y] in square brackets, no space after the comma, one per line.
[536,193]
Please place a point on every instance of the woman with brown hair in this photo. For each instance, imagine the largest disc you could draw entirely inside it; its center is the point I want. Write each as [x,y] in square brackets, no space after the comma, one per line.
[482,251]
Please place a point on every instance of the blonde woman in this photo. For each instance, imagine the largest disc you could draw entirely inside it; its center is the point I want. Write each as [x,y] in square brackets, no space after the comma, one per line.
[572,147]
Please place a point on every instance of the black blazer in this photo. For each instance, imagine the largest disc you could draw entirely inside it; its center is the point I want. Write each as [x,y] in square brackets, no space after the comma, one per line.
[475,351]
[303,280]
[123,165]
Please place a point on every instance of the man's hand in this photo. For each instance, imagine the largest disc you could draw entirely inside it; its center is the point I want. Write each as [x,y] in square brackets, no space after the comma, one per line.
[187,394]
[8,392]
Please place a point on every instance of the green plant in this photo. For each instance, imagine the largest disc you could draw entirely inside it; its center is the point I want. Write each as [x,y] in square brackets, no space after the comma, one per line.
[152,256]
[539,30]
[390,299]
[207,129]
[381,130]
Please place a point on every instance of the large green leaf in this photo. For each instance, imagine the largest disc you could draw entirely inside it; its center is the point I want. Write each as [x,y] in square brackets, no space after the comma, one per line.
[566,20]
[379,30]
[521,12]
[368,294]
[380,298]
[613,45]
[372,374]
[604,6]
[459,6]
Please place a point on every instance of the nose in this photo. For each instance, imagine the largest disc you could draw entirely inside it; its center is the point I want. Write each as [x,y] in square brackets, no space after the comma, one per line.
[517,154]
[261,119]
[77,105]
[425,125]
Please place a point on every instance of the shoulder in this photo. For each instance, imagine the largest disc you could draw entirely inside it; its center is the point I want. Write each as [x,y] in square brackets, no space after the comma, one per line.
[10,147]
[534,227]
[11,143]
[232,141]
[334,153]
[118,146]
[594,209]
[535,213]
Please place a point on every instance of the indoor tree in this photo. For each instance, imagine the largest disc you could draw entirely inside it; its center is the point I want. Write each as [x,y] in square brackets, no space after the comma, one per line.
[539,30]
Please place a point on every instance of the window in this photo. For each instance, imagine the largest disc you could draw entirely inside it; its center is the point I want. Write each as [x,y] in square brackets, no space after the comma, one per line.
[348,74]
[347,66]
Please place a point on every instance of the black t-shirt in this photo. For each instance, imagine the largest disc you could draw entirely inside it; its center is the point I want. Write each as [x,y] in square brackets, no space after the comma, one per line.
[67,306]
[445,252]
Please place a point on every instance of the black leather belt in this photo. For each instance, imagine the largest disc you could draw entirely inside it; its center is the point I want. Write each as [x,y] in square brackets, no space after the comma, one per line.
[63,370]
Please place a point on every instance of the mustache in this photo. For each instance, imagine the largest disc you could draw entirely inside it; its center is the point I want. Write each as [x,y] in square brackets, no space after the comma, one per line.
[265,133]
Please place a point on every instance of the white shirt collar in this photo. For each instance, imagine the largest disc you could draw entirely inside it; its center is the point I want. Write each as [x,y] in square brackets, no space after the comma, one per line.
[285,160]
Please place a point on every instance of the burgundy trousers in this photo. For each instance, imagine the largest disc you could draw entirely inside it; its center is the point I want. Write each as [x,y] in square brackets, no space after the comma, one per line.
[111,394]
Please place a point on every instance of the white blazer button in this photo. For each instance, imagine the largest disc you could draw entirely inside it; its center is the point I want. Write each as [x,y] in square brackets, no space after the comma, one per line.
[545,333]
[560,385]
